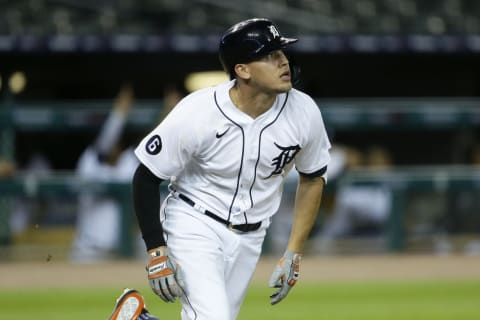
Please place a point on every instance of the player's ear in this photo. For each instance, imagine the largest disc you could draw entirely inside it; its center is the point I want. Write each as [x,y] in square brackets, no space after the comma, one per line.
[242,71]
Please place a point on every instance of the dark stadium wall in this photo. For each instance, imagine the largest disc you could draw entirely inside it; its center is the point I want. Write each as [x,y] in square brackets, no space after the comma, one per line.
[64,76]
[348,75]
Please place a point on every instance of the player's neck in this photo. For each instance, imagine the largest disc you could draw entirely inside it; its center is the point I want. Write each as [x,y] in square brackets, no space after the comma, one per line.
[253,103]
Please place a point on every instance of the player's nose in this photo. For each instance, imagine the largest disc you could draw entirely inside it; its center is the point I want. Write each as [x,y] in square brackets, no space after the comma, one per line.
[283,59]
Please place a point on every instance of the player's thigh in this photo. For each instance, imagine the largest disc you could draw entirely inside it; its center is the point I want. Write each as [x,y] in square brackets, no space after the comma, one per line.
[241,267]
[198,251]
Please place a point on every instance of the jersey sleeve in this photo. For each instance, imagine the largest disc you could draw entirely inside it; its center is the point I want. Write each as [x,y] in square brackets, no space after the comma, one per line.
[314,155]
[167,149]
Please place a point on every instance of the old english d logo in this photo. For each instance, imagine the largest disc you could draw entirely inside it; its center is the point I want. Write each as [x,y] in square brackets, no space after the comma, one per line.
[274,31]
[287,154]
[154,145]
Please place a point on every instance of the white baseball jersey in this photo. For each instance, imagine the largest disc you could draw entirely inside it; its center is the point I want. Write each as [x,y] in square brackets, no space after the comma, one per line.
[229,163]
[98,220]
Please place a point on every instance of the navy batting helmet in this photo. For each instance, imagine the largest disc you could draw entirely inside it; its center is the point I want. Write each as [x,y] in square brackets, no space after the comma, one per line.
[249,40]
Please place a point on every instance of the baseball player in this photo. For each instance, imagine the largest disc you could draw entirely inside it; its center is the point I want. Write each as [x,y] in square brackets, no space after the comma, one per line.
[105,160]
[226,151]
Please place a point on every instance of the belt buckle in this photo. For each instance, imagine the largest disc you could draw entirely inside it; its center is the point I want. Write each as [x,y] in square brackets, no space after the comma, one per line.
[230,227]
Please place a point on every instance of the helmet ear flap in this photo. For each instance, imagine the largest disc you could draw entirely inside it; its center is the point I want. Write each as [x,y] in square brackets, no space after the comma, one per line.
[295,70]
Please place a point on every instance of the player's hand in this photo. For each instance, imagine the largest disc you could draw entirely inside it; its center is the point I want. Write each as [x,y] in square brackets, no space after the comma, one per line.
[285,275]
[124,99]
[165,276]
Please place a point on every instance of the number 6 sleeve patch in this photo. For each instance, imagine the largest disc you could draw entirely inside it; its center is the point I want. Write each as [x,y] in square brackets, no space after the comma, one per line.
[154,145]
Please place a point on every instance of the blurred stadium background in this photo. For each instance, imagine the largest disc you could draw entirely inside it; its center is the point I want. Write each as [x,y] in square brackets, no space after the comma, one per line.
[400,74]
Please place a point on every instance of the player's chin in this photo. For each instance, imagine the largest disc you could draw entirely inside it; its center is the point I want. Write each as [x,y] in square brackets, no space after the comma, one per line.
[285,86]
[280,86]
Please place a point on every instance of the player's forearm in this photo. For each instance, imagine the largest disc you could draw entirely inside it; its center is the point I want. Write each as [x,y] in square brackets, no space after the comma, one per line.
[110,133]
[307,204]
[146,201]
[112,129]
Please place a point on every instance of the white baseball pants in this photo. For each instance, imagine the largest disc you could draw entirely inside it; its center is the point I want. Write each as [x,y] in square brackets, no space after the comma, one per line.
[217,263]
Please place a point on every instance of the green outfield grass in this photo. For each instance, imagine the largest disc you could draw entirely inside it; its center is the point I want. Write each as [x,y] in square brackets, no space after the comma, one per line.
[440,300]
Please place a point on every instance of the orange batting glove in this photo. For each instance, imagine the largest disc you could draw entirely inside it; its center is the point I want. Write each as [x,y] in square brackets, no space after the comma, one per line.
[164,275]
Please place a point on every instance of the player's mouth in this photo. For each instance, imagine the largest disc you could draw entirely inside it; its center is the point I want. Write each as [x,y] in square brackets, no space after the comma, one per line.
[285,75]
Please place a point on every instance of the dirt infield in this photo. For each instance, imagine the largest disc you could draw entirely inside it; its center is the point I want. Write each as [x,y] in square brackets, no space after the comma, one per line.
[54,274]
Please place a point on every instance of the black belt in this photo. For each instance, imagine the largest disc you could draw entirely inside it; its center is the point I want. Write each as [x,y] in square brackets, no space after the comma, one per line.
[240,227]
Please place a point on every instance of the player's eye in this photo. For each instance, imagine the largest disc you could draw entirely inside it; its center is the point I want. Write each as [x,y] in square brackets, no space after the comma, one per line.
[267,57]
[272,56]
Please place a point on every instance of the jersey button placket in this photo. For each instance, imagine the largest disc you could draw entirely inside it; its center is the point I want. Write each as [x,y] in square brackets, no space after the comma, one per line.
[251,155]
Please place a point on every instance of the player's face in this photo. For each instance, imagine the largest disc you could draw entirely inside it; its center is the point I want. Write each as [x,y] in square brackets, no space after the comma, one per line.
[271,73]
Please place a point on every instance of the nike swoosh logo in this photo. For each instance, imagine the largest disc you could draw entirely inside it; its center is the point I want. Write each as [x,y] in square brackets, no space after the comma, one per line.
[219,135]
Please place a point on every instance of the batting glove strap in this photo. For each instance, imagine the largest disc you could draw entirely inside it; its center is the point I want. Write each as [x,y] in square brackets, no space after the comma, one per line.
[165,278]
[285,275]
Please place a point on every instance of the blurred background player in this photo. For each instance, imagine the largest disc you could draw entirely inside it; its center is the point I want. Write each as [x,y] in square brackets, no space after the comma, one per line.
[26,210]
[363,208]
[341,158]
[106,160]
[7,168]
